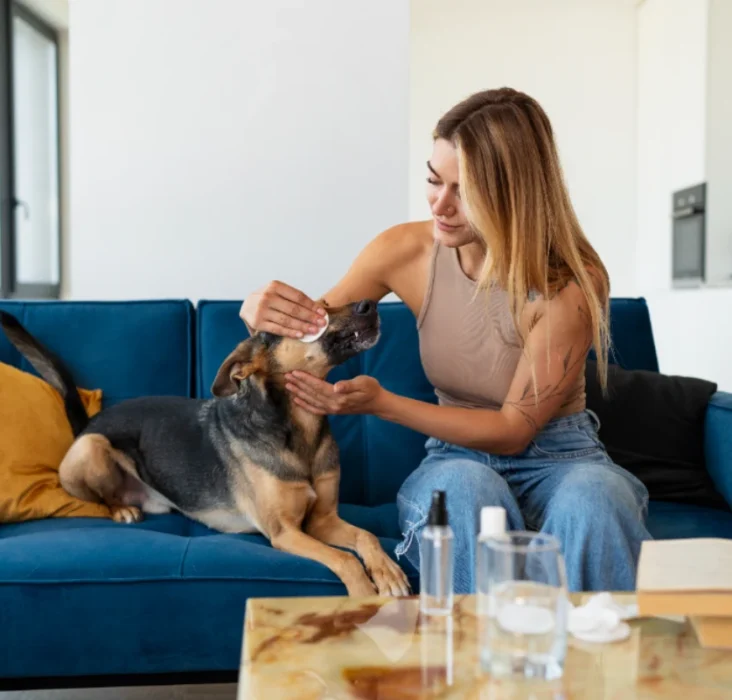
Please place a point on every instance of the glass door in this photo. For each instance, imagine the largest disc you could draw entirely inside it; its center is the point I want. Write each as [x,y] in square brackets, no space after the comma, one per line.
[35,119]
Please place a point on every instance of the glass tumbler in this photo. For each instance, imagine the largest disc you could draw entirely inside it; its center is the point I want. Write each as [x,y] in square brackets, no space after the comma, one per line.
[524,606]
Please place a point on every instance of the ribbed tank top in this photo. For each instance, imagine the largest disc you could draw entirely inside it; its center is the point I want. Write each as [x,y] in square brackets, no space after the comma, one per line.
[468,343]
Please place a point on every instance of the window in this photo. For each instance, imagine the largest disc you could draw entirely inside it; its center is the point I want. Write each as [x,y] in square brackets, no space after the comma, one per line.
[30,219]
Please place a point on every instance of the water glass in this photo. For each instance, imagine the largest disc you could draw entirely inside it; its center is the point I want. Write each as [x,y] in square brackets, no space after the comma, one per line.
[523,606]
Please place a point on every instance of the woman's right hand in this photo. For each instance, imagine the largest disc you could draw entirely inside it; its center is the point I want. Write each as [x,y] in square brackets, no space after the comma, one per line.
[283,310]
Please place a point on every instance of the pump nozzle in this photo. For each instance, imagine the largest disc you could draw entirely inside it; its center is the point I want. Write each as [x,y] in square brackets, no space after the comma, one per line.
[438,510]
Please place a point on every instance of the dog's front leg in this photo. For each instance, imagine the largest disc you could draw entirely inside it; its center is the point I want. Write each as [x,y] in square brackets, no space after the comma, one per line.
[281,507]
[324,524]
[344,565]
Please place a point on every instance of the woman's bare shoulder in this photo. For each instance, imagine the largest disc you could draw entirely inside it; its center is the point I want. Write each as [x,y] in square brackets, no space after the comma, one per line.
[401,245]
[569,308]
[413,236]
[393,256]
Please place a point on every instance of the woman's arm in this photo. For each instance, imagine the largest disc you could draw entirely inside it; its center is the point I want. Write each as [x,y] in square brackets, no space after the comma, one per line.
[558,342]
[389,263]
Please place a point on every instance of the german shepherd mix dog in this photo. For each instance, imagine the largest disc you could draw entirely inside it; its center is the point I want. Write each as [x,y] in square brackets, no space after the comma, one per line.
[248,460]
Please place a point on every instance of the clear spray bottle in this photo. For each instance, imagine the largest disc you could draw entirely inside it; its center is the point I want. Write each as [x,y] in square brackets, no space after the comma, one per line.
[436,560]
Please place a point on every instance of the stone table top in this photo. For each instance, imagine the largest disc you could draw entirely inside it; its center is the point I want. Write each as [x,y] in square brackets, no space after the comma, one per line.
[382,648]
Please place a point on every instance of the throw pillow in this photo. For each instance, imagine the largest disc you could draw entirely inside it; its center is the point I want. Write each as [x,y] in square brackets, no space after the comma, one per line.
[34,437]
[653,425]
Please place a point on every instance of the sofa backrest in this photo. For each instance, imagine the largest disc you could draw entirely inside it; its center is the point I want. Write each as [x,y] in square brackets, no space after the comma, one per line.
[377,456]
[127,349]
[632,345]
[147,348]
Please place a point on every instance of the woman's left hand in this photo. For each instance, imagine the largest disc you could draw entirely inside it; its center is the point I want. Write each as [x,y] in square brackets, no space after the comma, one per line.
[354,396]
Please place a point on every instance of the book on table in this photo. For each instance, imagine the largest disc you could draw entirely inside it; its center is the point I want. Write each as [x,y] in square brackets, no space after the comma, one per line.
[692,578]
[685,577]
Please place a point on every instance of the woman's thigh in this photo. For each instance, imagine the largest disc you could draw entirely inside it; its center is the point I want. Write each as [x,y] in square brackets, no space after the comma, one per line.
[469,484]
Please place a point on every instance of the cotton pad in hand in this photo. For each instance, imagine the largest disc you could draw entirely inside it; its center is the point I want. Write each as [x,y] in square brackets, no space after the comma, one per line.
[314,336]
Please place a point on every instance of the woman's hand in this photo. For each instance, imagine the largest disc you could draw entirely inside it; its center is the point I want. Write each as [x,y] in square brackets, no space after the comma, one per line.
[359,395]
[283,310]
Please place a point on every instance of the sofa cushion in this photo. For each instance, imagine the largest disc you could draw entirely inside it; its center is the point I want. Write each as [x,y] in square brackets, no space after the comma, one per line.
[718,442]
[163,595]
[34,437]
[670,521]
[127,349]
[653,425]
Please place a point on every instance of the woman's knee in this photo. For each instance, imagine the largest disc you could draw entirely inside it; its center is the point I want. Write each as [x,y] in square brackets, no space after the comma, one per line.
[468,485]
[597,495]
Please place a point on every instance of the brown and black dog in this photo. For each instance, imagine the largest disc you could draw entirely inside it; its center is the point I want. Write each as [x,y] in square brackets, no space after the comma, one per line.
[248,460]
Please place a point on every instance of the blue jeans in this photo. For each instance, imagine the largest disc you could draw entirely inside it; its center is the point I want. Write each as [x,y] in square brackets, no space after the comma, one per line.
[563,484]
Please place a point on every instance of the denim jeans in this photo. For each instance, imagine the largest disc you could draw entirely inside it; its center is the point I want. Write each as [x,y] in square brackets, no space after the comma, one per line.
[563,484]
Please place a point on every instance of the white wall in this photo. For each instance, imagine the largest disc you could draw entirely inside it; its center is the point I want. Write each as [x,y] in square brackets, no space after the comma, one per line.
[672,46]
[578,59]
[692,329]
[219,144]
[719,140]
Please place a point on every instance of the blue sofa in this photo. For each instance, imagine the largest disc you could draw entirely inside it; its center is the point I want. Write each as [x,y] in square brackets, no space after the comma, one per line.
[86,597]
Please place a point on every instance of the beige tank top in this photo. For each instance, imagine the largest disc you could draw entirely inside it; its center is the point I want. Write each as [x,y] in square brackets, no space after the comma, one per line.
[468,343]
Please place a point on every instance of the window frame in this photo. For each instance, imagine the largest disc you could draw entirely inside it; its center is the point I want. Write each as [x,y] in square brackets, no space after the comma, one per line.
[9,286]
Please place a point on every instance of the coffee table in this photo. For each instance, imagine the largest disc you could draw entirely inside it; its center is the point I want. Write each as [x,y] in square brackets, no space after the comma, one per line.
[380,648]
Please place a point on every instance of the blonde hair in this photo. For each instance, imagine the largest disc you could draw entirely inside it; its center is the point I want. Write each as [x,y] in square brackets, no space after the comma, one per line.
[516,200]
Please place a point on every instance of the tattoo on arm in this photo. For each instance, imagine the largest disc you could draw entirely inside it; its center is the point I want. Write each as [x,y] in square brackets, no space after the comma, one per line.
[535,318]
[530,398]
[527,416]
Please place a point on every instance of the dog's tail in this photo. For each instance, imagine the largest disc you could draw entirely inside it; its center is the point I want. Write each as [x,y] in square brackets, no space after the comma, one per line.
[49,367]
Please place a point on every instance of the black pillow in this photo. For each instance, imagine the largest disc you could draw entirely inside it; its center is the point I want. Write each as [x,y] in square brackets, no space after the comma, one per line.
[653,426]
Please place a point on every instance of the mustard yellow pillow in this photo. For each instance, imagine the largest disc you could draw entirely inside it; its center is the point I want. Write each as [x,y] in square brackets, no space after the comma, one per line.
[34,437]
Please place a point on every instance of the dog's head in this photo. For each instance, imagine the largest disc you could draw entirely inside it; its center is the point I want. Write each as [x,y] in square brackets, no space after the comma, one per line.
[352,329]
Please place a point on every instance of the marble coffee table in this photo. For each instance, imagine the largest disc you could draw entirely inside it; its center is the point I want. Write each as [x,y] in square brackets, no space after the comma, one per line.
[369,649]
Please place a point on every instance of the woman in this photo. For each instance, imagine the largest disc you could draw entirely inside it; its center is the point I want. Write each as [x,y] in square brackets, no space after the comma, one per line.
[509,296]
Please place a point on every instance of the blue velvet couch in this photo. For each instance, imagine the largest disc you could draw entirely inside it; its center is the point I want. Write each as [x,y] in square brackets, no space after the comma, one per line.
[86,597]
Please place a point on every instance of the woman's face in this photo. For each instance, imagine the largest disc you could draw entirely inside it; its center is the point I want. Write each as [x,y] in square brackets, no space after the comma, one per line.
[451,227]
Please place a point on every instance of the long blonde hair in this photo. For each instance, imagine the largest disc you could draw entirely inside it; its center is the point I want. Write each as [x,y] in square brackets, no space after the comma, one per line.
[516,200]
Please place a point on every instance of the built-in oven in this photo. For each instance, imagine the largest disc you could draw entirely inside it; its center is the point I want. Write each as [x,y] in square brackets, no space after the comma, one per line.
[689,234]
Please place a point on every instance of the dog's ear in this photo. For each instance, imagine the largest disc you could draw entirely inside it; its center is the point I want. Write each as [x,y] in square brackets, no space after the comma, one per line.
[249,357]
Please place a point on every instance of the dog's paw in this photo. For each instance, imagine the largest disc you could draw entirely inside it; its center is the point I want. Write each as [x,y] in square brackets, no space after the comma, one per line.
[126,514]
[361,587]
[389,577]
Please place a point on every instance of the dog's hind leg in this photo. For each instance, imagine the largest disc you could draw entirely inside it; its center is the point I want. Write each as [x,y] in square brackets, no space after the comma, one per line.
[93,470]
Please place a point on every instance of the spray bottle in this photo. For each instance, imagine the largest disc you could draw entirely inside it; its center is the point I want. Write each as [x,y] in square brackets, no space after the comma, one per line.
[436,560]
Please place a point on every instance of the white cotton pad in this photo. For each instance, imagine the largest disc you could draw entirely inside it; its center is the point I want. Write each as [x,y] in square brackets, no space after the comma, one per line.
[600,620]
[605,636]
[312,338]
[525,619]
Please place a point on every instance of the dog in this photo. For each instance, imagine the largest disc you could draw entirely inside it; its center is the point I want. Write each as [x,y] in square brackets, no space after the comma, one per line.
[247,460]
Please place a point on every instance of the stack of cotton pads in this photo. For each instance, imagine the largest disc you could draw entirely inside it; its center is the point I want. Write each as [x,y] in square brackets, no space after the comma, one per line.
[601,620]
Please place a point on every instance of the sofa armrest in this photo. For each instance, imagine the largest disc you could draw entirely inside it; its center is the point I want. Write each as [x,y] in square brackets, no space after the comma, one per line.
[718,443]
